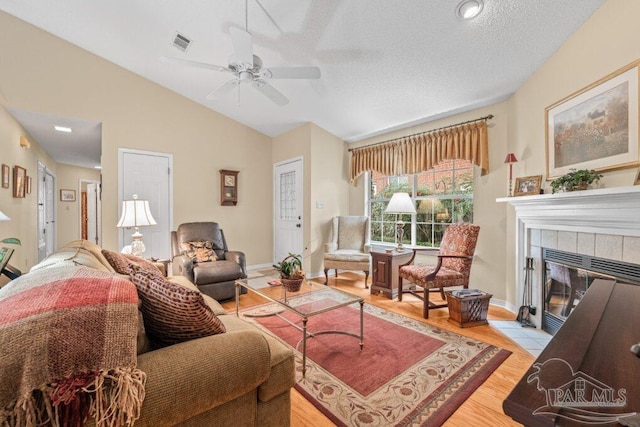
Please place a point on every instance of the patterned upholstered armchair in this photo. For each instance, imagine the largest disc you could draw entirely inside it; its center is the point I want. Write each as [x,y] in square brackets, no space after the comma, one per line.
[349,246]
[452,269]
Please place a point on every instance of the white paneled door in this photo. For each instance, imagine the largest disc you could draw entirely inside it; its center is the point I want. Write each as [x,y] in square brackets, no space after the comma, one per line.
[288,196]
[150,176]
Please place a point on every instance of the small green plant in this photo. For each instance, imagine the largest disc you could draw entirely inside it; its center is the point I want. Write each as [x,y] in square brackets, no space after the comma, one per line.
[290,267]
[11,241]
[575,180]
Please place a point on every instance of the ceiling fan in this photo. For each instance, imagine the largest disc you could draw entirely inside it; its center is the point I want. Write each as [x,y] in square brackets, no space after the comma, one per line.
[247,68]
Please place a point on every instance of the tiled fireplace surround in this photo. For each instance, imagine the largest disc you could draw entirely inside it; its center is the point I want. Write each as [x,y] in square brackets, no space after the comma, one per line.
[604,223]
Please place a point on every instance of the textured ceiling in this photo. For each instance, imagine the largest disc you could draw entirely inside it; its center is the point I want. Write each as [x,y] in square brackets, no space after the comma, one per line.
[385,64]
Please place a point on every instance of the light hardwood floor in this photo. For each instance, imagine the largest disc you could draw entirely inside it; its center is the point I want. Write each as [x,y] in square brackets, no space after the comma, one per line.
[483,408]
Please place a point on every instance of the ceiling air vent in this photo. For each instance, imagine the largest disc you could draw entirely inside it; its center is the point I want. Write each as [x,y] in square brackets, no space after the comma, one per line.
[181,42]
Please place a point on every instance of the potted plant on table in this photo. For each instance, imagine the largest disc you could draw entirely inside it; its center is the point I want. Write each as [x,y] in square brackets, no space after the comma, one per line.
[291,274]
[575,180]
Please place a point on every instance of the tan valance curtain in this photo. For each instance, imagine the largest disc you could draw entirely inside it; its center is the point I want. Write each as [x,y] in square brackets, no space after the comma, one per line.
[421,152]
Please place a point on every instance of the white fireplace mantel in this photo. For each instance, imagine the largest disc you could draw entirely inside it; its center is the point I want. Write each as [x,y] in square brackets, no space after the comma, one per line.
[604,211]
[613,211]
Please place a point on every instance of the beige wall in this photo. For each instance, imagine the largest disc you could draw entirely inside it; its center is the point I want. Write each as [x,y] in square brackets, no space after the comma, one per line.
[608,41]
[22,211]
[68,213]
[329,187]
[487,272]
[45,74]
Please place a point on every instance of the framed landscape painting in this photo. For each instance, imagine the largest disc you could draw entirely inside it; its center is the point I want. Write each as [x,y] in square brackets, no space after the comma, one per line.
[596,127]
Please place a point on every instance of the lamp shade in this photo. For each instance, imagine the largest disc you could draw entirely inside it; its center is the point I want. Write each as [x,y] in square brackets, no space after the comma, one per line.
[400,203]
[136,213]
[3,217]
[511,158]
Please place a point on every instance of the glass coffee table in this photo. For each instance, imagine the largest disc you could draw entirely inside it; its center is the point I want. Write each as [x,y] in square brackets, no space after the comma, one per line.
[332,299]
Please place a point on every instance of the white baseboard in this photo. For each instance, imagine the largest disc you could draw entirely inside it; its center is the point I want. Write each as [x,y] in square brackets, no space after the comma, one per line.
[504,304]
[259,266]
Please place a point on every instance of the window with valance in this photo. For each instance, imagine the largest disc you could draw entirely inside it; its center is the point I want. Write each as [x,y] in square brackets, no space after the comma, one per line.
[418,153]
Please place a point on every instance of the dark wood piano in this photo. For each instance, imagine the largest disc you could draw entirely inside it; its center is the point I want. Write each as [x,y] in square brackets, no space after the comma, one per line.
[587,373]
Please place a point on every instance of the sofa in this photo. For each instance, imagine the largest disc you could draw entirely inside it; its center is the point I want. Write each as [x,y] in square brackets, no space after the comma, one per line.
[241,377]
[216,274]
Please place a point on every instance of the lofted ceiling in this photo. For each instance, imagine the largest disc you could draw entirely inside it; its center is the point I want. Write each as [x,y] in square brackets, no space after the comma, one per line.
[385,64]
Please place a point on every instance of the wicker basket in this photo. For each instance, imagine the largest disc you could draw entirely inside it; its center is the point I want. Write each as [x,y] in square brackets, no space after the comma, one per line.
[468,311]
[292,285]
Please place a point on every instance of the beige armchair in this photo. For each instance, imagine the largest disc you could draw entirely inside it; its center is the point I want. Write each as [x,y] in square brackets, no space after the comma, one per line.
[349,246]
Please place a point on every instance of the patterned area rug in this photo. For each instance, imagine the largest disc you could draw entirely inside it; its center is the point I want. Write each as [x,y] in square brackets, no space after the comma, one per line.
[408,374]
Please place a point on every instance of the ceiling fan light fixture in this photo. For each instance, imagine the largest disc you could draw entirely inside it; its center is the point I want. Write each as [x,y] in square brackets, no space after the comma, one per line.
[469,9]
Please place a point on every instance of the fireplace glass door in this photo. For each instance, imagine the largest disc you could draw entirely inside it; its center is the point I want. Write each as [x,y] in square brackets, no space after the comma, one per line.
[564,287]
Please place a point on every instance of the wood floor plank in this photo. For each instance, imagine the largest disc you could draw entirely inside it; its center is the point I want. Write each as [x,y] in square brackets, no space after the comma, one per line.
[483,408]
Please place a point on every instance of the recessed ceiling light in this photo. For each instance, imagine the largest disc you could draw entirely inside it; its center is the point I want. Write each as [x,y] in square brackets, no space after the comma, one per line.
[469,9]
[62,128]
[97,167]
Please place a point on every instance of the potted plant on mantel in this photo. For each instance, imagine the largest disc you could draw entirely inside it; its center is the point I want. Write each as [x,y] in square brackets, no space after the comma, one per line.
[291,274]
[575,180]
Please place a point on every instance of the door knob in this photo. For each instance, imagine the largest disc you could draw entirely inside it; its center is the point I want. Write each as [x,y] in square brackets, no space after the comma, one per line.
[298,225]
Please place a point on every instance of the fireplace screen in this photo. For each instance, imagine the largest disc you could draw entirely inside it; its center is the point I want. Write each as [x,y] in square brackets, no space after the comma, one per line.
[567,276]
[564,288]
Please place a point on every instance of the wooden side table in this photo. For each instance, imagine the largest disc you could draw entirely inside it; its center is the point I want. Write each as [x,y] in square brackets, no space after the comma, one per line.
[468,310]
[384,278]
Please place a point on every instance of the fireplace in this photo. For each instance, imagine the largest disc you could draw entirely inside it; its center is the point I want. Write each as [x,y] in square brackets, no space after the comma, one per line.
[566,278]
[596,231]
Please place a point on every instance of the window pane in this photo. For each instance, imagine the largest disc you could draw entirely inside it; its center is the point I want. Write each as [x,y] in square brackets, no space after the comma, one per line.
[443,195]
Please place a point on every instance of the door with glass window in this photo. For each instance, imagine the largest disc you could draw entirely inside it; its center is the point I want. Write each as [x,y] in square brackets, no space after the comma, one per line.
[288,230]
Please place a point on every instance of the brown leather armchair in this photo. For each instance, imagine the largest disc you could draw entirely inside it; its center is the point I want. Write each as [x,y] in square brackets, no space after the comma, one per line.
[215,278]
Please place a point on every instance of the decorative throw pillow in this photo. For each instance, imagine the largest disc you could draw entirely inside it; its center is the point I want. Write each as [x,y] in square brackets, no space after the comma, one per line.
[173,313]
[199,251]
[122,263]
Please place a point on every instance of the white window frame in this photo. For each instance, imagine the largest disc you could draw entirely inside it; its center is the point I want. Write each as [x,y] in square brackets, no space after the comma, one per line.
[414,179]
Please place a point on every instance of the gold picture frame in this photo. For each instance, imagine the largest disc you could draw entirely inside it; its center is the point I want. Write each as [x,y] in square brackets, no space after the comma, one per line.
[528,185]
[595,127]
[67,195]
[19,178]
[5,176]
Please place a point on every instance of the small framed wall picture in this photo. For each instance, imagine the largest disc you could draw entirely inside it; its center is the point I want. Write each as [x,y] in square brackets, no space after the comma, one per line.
[67,195]
[528,185]
[637,182]
[28,184]
[5,176]
[19,179]
[228,187]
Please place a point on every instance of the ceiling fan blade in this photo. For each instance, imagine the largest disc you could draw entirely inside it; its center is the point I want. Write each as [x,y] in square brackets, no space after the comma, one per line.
[270,92]
[293,73]
[227,87]
[177,61]
[242,45]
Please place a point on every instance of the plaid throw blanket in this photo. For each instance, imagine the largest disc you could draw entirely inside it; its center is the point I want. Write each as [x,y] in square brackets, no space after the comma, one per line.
[68,349]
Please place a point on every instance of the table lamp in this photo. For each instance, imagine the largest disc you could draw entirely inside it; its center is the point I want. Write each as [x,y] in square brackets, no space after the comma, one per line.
[136,213]
[3,217]
[399,204]
[510,159]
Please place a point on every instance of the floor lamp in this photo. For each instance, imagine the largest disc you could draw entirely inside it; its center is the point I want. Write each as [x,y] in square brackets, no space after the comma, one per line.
[400,204]
[136,213]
